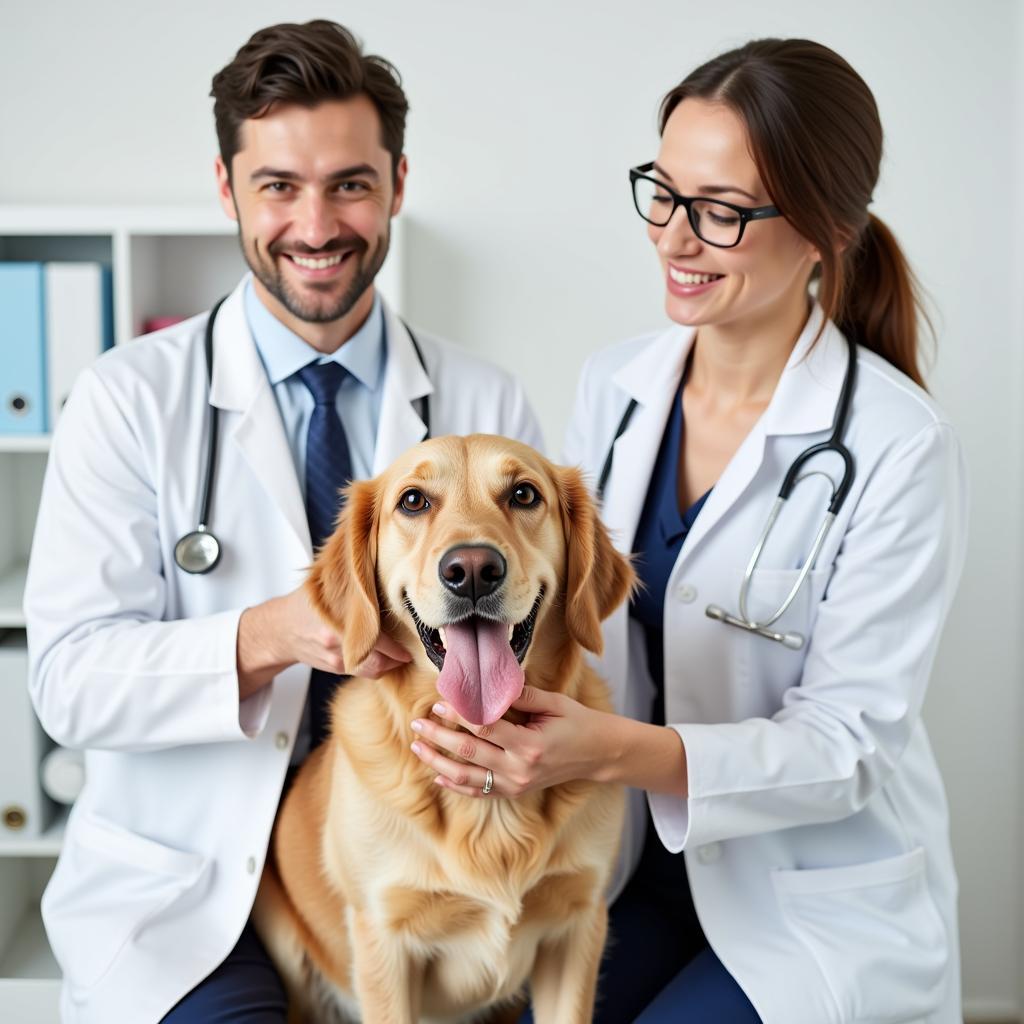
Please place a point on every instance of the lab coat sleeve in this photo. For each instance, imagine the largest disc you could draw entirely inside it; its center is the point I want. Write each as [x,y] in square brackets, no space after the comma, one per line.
[105,671]
[840,733]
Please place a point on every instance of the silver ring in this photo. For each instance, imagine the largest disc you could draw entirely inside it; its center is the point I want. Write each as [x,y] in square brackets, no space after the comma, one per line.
[488,782]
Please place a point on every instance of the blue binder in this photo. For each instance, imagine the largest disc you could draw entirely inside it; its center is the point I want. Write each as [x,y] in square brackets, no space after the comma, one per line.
[22,349]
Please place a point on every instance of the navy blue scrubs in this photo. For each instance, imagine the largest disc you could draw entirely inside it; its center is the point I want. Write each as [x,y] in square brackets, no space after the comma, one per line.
[244,989]
[658,967]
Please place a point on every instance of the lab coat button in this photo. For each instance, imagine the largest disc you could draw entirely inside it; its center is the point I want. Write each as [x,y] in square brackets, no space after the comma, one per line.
[250,865]
[281,741]
[686,593]
[709,853]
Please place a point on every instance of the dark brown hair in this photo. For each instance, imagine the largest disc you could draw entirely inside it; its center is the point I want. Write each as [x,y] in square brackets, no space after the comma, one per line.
[816,138]
[305,64]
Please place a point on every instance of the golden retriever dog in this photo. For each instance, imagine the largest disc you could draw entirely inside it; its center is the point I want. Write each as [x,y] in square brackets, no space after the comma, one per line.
[386,898]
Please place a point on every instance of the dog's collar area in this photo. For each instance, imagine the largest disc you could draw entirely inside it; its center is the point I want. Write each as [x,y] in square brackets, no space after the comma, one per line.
[519,641]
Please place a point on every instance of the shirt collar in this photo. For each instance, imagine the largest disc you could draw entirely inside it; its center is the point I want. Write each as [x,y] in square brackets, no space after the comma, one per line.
[283,352]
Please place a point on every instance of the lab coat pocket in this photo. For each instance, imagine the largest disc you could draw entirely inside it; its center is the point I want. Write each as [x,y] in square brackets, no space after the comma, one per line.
[874,932]
[110,883]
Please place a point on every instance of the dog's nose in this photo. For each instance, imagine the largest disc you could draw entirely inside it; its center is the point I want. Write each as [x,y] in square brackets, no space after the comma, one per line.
[472,571]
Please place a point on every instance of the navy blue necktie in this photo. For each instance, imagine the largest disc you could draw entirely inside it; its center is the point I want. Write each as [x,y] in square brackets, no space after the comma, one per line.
[328,468]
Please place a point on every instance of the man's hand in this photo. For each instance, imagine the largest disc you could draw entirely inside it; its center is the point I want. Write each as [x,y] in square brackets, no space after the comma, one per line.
[286,630]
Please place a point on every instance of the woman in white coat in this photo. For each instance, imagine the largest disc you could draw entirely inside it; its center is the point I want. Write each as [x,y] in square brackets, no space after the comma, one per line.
[794,775]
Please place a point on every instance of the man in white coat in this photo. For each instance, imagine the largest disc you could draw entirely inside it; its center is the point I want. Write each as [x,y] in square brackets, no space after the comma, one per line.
[189,691]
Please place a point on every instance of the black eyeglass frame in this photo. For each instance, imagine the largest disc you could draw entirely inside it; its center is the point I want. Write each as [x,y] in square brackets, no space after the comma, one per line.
[746,213]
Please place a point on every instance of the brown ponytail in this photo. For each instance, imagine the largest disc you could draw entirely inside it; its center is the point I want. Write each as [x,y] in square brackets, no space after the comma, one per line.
[881,303]
[816,138]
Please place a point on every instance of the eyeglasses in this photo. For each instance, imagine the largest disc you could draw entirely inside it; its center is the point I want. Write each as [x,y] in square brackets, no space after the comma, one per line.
[713,221]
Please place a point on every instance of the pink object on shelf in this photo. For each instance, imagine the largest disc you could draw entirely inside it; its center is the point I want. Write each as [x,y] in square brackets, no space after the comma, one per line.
[159,323]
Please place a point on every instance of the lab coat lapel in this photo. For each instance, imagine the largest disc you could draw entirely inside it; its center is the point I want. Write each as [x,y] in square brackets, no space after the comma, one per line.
[805,399]
[652,380]
[405,381]
[803,403]
[240,385]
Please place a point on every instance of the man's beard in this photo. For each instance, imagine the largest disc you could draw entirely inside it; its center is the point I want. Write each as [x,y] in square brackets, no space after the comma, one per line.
[304,307]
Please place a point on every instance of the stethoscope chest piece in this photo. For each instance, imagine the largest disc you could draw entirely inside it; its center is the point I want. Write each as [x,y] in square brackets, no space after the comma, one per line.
[197,552]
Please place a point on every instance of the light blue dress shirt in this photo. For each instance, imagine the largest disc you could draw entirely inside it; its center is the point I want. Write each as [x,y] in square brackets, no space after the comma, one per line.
[364,356]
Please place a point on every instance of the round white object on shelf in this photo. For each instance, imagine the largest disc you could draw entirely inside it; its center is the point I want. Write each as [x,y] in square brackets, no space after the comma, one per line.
[63,774]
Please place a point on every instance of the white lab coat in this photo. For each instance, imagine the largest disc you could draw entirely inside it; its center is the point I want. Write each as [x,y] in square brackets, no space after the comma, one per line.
[815,832]
[135,660]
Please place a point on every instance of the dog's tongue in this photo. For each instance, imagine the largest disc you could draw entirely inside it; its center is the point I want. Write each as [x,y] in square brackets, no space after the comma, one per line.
[480,677]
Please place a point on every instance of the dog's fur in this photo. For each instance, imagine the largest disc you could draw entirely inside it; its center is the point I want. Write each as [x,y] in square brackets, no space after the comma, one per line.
[386,898]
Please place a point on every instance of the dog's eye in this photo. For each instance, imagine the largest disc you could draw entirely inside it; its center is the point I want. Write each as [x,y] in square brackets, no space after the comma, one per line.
[525,496]
[413,501]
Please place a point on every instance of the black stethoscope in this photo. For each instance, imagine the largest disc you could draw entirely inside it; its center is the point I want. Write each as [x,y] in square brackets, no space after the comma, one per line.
[199,551]
[744,620]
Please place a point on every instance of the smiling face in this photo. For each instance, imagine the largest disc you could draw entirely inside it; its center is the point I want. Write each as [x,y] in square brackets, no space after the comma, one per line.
[705,152]
[313,192]
[470,544]
[478,555]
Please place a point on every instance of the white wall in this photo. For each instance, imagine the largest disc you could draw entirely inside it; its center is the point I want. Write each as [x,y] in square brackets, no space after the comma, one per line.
[523,244]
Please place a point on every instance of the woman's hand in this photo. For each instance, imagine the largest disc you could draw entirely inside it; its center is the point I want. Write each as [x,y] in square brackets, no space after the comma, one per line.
[561,740]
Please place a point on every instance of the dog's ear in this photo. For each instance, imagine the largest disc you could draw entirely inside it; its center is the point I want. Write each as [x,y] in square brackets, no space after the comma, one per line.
[342,585]
[598,578]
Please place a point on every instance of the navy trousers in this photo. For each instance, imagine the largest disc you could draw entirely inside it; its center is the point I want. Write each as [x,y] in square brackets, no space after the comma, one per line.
[245,989]
[657,969]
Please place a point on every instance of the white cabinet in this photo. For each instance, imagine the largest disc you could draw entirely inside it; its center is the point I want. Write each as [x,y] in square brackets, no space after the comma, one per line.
[165,261]
[29,977]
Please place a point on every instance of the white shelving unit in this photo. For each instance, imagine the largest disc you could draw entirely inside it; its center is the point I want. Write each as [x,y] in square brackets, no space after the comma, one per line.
[165,261]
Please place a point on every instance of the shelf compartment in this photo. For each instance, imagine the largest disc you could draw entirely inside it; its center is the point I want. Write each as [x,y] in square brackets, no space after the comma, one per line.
[29,957]
[179,275]
[29,975]
[12,592]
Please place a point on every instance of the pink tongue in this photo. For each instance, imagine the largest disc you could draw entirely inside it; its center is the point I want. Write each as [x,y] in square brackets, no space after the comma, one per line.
[480,677]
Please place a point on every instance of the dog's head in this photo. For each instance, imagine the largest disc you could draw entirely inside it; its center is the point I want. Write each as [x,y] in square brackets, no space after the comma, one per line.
[469,546]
